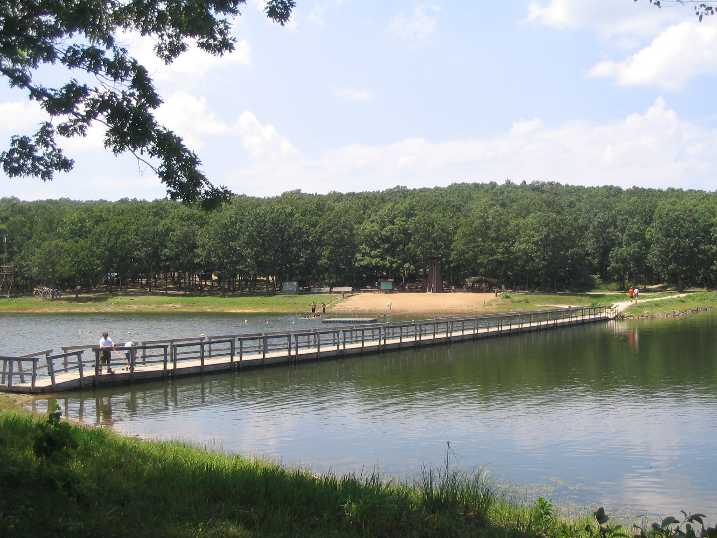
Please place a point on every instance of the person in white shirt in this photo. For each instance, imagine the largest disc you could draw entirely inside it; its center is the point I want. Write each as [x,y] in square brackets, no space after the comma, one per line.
[106,346]
[130,354]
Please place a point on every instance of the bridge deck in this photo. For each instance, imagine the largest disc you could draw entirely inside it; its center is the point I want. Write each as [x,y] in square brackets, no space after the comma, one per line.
[156,360]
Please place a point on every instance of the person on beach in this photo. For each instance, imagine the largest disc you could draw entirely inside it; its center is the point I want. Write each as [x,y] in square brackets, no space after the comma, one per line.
[323,308]
[106,346]
[313,308]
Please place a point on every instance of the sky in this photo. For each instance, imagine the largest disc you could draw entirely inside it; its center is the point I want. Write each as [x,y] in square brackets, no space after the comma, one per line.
[366,95]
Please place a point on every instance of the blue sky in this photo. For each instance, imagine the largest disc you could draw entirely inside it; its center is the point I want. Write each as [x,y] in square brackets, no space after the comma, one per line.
[356,95]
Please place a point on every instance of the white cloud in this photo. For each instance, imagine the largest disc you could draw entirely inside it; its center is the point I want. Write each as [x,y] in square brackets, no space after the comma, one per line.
[609,18]
[192,63]
[16,117]
[353,94]
[677,55]
[420,25]
[190,118]
[262,141]
[653,148]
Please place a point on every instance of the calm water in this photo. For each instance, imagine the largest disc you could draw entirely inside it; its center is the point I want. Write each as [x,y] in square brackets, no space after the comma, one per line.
[23,334]
[618,414]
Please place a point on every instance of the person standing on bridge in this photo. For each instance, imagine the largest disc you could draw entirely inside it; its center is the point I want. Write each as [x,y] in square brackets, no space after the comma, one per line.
[106,346]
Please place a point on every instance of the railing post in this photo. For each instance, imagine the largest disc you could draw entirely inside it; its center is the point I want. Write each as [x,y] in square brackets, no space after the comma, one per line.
[4,369]
[173,352]
[51,370]
[232,349]
[201,353]
[9,374]
[21,370]
[80,365]
[241,350]
[34,372]
[363,338]
[288,343]
[317,338]
[264,343]
[98,369]
[400,334]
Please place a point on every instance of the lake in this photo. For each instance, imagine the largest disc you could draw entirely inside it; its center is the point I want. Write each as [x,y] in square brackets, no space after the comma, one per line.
[621,414]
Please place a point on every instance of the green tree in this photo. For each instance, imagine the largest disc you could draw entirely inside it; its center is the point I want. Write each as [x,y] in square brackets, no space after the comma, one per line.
[683,251]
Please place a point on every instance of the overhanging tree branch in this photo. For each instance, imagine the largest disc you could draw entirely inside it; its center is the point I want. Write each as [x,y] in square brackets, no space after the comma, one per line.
[118,91]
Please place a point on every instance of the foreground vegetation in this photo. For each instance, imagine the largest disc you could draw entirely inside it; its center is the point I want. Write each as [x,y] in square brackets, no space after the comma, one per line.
[167,304]
[528,236]
[59,479]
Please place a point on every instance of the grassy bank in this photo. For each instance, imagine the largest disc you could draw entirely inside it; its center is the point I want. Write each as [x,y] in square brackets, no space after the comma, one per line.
[690,303]
[537,301]
[165,304]
[59,479]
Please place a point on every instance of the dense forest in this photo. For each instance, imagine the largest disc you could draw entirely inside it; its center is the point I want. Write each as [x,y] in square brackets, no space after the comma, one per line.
[525,236]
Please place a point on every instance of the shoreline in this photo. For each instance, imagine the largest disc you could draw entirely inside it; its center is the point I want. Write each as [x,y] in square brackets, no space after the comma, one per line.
[233,495]
[661,305]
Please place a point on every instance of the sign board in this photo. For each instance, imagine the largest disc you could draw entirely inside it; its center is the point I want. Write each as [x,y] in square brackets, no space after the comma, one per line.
[290,286]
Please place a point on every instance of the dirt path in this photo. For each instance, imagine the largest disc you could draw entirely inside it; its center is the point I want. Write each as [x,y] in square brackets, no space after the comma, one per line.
[624,305]
[415,303]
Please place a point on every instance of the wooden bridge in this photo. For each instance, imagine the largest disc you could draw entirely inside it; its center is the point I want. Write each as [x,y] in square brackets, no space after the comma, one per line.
[80,366]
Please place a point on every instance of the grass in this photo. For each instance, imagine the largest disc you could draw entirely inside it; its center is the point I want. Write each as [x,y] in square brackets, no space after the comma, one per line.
[164,304]
[68,480]
[674,306]
[538,301]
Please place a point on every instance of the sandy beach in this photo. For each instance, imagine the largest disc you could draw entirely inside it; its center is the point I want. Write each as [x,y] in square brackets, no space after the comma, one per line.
[427,304]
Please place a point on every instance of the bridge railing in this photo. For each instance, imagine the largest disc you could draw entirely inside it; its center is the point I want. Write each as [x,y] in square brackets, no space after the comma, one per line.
[81,361]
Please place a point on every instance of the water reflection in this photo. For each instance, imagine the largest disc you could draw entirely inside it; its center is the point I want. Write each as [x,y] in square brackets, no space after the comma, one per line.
[617,414]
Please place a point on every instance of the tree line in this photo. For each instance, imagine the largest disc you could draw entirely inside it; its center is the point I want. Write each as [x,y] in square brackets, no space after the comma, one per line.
[525,236]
